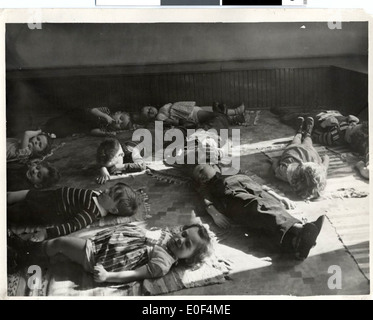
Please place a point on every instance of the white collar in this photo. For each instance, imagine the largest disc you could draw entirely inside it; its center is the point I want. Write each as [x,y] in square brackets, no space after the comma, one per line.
[102,211]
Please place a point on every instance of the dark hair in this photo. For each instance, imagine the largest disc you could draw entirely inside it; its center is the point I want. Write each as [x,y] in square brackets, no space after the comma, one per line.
[309,180]
[48,147]
[127,127]
[203,250]
[360,139]
[107,150]
[126,198]
[53,175]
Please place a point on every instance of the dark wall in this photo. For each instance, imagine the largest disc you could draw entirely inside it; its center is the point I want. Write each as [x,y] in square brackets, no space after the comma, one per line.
[79,45]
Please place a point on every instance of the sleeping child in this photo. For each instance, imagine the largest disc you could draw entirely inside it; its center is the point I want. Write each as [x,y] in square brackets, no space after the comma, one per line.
[115,158]
[36,175]
[187,114]
[301,166]
[127,253]
[95,121]
[34,144]
[245,202]
[66,210]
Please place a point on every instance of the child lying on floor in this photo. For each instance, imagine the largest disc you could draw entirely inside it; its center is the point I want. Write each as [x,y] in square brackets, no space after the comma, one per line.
[95,121]
[127,253]
[67,209]
[115,159]
[187,114]
[34,144]
[301,166]
[36,175]
[245,202]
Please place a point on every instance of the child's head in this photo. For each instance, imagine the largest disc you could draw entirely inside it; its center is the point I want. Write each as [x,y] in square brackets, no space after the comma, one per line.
[149,113]
[42,175]
[122,121]
[191,245]
[110,153]
[203,173]
[309,180]
[357,136]
[40,145]
[120,200]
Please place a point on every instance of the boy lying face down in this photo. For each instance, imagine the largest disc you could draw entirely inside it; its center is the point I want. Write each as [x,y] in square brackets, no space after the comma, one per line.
[245,202]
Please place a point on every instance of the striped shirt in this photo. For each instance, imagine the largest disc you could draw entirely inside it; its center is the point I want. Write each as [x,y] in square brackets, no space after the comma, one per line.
[76,208]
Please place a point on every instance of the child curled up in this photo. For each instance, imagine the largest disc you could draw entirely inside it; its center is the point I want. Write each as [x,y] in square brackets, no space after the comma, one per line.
[301,166]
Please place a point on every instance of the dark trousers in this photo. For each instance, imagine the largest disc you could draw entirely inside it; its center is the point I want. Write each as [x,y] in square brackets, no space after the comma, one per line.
[264,213]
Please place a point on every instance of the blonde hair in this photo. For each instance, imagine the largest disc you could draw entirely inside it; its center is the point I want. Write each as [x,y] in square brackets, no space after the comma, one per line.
[309,180]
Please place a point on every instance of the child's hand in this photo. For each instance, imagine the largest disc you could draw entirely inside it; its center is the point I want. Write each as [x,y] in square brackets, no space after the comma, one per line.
[100,274]
[104,176]
[288,204]
[109,120]
[39,236]
[222,221]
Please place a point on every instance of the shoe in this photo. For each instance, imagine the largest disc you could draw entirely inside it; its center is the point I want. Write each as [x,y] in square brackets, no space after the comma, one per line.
[309,125]
[307,238]
[300,122]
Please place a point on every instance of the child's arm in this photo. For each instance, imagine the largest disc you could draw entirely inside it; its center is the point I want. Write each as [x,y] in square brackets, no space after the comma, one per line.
[16,196]
[98,113]
[288,204]
[80,221]
[104,176]
[101,275]
[138,164]
[325,162]
[27,136]
[219,219]
[100,133]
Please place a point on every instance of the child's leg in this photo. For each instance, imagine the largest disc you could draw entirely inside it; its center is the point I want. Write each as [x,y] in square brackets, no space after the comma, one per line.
[16,196]
[204,116]
[309,127]
[307,141]
[72,248]
[236,111]
[297,139]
